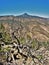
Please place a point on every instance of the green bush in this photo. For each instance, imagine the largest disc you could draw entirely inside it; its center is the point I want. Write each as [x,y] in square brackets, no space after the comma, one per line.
[34,44]
[22,40]
[2,28]
[6,37]
[28,37]
[40,57]
[46,44]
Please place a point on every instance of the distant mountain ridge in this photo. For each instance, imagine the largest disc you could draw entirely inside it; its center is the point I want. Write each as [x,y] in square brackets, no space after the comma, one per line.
[25,15]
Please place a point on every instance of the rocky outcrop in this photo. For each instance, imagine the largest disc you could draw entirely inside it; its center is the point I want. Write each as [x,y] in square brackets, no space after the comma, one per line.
[22,54]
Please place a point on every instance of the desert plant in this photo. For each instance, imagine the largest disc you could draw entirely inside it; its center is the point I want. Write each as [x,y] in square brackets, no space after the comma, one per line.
[22,40]
[35,44]
[6,37]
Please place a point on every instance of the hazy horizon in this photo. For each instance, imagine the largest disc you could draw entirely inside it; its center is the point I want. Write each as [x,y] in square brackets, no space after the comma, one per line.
[32,14]
[17,7]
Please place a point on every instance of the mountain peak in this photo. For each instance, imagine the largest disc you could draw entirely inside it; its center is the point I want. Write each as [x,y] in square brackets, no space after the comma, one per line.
[25,15]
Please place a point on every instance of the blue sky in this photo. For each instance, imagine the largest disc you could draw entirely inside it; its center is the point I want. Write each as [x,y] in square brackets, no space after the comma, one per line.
[36,7]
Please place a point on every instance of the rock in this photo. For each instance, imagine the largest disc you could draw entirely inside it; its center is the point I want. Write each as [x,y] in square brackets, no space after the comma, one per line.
[22,54]
[1,63]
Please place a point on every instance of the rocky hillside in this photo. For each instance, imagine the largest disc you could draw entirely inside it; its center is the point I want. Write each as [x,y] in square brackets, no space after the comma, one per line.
[36,27]
[24,40]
